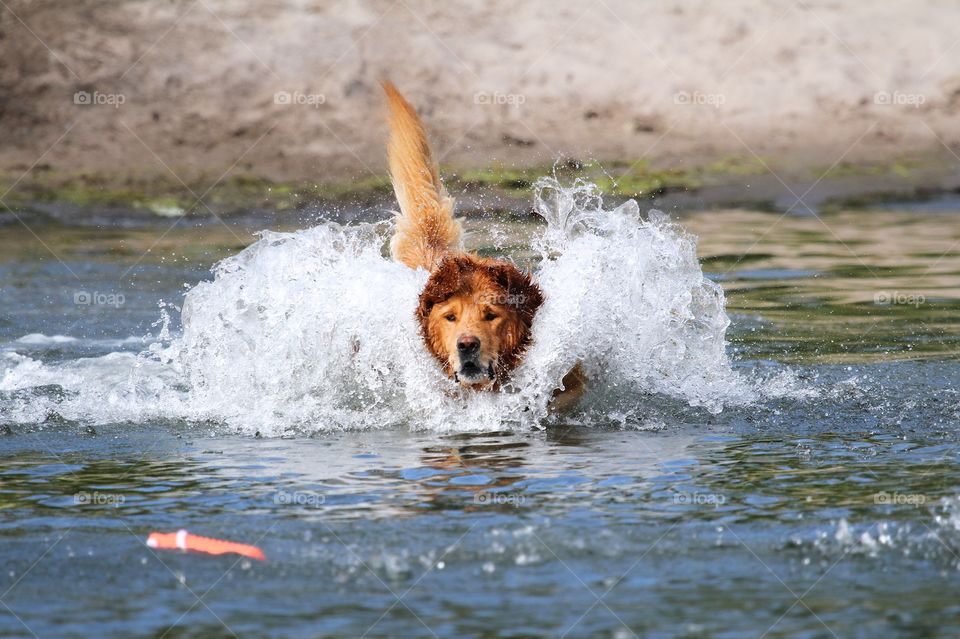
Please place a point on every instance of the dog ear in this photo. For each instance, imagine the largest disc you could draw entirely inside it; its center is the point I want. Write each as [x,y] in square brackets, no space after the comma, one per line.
[522,293]
[443,282]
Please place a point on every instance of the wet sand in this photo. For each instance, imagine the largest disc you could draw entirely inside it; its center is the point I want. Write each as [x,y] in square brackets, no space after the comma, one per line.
[288,91]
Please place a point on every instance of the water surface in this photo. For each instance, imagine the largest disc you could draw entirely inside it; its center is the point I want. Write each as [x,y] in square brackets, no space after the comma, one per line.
[826,510]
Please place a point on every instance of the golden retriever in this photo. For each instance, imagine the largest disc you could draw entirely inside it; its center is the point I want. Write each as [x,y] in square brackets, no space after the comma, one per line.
[475,314]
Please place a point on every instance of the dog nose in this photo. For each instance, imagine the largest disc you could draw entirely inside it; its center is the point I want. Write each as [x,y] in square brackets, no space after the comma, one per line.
[468,344]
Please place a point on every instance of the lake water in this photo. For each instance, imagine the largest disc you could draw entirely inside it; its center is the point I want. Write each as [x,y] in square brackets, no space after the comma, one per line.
[804,484]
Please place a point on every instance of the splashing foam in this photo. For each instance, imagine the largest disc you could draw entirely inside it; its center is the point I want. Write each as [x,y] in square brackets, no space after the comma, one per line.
[315,330]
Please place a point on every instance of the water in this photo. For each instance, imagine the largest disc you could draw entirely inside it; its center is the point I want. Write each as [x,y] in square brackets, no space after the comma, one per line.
[625,299]
[799,481]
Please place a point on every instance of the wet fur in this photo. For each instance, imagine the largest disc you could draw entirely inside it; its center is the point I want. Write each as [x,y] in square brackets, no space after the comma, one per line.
[426,231]
[478,281]
[427,236]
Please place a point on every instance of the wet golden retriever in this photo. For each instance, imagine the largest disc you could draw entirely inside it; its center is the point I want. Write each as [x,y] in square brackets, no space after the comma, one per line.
[475,314]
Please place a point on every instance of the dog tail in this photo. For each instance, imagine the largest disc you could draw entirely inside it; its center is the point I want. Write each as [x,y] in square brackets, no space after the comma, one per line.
[426,230]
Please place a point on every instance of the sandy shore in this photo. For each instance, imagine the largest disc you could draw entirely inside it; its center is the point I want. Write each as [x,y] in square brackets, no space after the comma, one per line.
[288,90]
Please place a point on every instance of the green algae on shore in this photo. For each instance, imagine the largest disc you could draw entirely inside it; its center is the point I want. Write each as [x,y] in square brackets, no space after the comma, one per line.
[166,195]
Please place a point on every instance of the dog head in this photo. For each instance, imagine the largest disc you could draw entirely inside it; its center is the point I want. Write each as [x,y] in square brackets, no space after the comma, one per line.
[475,316]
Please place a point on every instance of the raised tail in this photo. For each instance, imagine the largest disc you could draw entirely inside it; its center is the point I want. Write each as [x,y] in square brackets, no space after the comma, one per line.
[426,230]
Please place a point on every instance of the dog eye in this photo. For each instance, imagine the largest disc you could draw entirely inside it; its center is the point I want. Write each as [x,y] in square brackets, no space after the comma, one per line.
[489,317]
[451,317]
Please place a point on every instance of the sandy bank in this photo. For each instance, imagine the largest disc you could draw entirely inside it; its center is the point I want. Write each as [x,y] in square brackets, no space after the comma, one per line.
[287,90]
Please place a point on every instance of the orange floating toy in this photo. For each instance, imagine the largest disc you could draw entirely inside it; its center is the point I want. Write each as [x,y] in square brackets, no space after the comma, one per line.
[182,540]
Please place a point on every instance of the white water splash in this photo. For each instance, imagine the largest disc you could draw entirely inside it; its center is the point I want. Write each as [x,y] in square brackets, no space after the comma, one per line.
[314,330]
